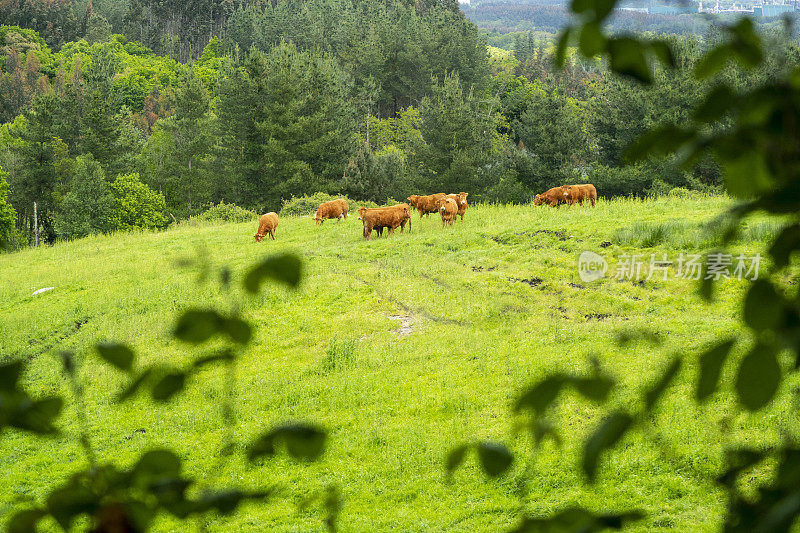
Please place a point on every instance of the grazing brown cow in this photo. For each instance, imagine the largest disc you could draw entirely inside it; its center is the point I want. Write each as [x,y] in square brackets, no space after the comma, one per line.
[552,197]
[379,218]
[578,193]
[345,206]
[426,204]
[461,201]
[267,225]
[334,209]
[448,210]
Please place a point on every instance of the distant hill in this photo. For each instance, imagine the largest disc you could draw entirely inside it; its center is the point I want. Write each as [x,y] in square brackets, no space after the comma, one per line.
[507,17]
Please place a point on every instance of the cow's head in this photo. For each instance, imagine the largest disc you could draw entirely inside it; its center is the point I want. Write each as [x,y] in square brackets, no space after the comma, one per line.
[537,200]
[463,197]
[258,237]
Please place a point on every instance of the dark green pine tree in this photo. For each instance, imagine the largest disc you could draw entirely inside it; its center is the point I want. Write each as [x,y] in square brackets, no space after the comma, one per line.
[37,151]
[88,206]
[100,127]
[287,125]
[551,129]
[239,150]
[191,139]
[457,133]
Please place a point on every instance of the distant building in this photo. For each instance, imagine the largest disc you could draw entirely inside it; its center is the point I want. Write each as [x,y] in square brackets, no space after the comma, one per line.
[774,10]
[671,10]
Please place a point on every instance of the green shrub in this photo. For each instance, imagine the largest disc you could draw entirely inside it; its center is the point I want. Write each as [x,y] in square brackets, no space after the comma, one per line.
[7,215]
[223,212]
[507,191]
[307,205]
[137,205]
[304,205]
[620,181]
[681,192]
[659,188]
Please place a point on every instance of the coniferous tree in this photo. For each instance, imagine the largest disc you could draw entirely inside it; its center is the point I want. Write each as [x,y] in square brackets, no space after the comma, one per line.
[98,30]
[156,106]
[457,133]
[54,20]
[20,80]
[177,155]
[551,129]
[38,152]
[286,124]
[100,126]
[88,206]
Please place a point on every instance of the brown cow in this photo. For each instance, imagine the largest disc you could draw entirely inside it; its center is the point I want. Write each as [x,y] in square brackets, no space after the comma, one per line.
[374,220]
[426,204]
[345,206]
[448,210]
[388,217]
[578,193]
[552,197]
[379,218]
[267,224]
[461,201]
[334,209]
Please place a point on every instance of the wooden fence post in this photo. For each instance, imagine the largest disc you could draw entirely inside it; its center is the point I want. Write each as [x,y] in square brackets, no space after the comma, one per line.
[35,226]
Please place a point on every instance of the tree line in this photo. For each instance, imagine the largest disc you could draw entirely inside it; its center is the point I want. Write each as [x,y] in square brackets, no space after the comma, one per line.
[375,100]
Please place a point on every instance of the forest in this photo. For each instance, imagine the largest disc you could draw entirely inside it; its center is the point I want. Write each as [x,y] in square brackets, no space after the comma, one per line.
[121,115]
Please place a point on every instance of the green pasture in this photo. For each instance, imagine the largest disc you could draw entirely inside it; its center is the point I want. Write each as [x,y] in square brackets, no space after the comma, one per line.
[487,307]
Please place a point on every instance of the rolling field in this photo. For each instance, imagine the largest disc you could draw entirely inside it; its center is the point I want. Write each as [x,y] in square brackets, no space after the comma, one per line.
[402,348]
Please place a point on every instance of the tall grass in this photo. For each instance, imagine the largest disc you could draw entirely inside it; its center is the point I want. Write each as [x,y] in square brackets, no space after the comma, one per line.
[682,234]
[340,354]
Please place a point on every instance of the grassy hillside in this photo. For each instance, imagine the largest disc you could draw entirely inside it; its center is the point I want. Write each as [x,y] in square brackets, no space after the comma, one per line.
[488,306]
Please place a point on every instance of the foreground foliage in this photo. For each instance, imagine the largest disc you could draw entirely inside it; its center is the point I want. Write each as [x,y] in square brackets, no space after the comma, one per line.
[115,499]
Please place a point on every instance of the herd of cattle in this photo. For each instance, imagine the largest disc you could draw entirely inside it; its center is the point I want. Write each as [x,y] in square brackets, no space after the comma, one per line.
[449,207]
